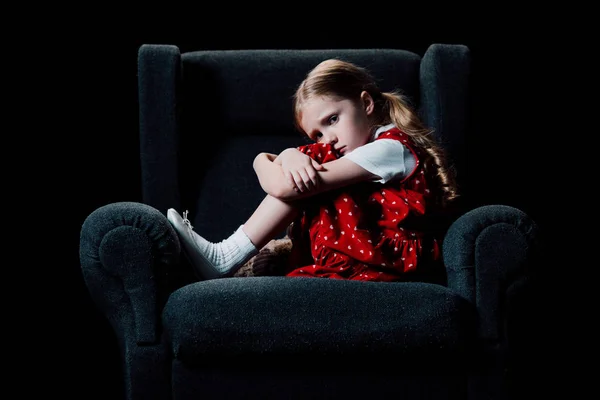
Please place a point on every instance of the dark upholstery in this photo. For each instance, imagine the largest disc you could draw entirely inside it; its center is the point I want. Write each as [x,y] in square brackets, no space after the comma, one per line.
[203,117]
[360,323]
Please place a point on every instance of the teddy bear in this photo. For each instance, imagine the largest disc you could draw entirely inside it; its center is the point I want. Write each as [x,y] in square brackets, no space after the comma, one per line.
[272,259]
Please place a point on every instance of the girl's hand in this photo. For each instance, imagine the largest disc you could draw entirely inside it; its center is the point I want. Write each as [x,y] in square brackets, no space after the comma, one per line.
[300,170]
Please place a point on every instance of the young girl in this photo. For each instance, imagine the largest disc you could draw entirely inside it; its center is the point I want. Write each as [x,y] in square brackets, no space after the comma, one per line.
[360,199]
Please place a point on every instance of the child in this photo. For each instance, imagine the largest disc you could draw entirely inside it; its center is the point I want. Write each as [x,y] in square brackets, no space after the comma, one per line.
[359,199]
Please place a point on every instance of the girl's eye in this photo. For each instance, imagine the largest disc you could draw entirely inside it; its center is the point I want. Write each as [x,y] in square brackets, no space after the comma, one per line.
[333,119]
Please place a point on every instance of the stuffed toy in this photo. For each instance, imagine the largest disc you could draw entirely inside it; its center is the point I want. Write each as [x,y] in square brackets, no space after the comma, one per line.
[273,259]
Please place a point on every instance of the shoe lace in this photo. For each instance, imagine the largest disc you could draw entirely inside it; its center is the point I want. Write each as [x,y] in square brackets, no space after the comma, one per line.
[186,220]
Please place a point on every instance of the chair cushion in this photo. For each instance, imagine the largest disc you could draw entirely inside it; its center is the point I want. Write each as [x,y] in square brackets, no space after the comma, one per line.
[244,316]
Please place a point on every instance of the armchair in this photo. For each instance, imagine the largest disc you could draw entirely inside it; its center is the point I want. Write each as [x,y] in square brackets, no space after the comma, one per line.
[275,337]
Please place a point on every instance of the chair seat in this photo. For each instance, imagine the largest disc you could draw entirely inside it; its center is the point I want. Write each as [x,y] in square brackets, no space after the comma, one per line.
[285,316]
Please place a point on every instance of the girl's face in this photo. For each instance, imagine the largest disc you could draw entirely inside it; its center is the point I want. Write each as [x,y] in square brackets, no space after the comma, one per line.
[342,123]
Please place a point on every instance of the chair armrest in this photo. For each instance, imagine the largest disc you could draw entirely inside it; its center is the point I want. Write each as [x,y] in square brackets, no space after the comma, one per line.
[490,253]
[127,251]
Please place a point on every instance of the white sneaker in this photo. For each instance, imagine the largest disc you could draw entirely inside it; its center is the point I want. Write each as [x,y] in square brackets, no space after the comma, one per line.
[203,267]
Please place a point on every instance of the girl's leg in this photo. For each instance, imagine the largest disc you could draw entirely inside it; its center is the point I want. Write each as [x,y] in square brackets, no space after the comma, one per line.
[215,260]
[271,217]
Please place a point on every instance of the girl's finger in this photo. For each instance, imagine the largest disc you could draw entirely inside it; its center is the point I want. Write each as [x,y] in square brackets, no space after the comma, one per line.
[305,179]
[299,182]
[313,177]
[290,179]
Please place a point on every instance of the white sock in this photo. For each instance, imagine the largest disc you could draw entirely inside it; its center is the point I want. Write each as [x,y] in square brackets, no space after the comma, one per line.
[212,260]
[228,255]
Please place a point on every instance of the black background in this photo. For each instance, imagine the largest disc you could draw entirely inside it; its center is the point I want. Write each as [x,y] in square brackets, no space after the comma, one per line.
[82,118]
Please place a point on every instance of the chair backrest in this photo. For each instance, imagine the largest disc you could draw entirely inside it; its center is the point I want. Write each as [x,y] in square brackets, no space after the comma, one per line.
[204,115]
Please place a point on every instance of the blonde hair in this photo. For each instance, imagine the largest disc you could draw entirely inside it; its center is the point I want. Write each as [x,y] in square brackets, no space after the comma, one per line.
[342,79]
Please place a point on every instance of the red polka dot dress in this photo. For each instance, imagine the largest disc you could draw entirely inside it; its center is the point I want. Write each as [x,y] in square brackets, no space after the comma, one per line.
[368,231]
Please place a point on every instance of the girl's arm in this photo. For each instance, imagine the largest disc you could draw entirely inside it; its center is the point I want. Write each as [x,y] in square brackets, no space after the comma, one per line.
[335,174]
